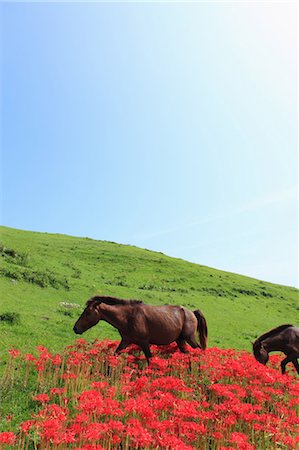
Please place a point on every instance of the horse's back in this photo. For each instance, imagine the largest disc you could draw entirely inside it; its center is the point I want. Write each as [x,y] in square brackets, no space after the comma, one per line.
[167,315]
[163,323]
[292,333]
[289,339]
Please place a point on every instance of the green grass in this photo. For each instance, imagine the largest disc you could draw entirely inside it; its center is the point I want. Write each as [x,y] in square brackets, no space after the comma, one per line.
[39,271]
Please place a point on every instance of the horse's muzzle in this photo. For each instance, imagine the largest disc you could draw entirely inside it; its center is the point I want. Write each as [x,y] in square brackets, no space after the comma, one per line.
[76,330]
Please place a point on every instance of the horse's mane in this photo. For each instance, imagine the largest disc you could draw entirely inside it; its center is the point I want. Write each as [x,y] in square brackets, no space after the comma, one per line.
[112,301]
[272,332]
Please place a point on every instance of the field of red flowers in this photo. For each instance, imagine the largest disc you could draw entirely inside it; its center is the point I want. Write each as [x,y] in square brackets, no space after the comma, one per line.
[90,399]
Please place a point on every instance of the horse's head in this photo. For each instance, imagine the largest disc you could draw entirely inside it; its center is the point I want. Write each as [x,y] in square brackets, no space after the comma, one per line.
[260,353]
[90,316]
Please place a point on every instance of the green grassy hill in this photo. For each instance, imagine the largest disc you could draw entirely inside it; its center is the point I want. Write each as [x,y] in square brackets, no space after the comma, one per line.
[42,273]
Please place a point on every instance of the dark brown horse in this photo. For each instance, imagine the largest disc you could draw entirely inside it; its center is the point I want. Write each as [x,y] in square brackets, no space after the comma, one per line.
[143,324]
[284,338]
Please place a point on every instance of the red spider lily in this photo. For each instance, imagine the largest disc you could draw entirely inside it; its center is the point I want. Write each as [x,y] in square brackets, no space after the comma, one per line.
[170,383]
[113,361]
[101,385]
[141,406]
[116,426]
[159,363]
[80,342]
[68,376]
[163,401]
[94,352]
[26,426]
[91,401]
[75,358]
[57,391]
[191,430]
[185,408]
[49,428]
[14,353]
[44,353]
[7,437]
[173,443]
[95,431]
[227,448]
[111,407]
[29,357]
[43,398]
[136,386]
[53,411]
[89,447]
[217,435]
[139,435]
[241,440]
[56,360]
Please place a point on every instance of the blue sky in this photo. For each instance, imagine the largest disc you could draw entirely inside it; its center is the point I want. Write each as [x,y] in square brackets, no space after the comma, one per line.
[169,126]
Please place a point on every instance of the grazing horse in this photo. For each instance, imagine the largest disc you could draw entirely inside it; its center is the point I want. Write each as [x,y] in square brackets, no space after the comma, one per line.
[143,324]
[284,338]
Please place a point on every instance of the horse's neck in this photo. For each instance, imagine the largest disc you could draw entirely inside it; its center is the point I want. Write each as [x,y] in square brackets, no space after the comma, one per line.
[114,314]
[272,344]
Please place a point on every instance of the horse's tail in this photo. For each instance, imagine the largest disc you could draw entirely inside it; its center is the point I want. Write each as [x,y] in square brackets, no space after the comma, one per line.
[201,328]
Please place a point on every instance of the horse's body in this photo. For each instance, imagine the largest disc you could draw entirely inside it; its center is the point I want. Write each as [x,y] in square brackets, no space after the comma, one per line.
[143,324]
[284,338]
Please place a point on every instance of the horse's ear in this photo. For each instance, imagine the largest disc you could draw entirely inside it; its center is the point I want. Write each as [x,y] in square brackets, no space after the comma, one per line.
[93,302]
[96,305]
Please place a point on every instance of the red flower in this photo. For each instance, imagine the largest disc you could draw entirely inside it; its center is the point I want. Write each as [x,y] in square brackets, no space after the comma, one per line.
[173,443]
[217,435]
[57,391]
[14,353]
[139,435]
[26,426]
[239,438]
[95,431]
[30,357]
[43,398]
[56,360]
[7,437]
[44,353]
[90,447]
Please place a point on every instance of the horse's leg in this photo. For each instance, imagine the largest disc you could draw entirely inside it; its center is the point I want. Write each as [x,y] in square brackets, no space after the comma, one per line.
[285,361]
[296,365]
[123,344]
[181,344]
[192,341]
[146,350]
[189,329]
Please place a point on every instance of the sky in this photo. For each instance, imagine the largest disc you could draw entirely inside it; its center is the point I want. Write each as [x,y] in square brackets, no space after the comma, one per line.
[169,126]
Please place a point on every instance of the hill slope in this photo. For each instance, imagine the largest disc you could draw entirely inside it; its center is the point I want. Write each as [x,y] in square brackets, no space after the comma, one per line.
[41,272]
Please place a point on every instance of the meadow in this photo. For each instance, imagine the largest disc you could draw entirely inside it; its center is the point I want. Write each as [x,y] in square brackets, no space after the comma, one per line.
[45,280]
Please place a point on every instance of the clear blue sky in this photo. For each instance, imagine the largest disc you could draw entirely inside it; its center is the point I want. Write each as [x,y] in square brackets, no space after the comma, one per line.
[169,126]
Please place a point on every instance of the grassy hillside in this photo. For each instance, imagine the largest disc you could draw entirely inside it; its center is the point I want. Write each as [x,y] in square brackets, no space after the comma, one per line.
[42,273]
